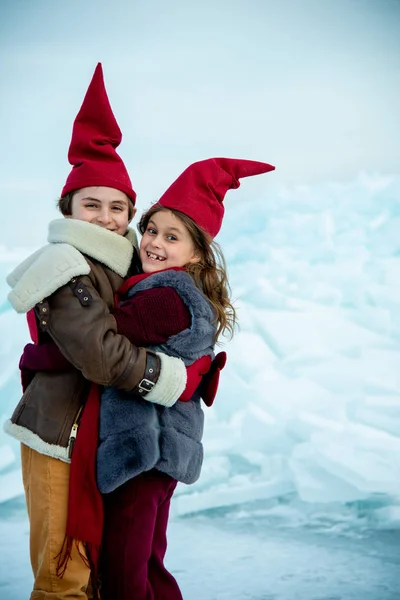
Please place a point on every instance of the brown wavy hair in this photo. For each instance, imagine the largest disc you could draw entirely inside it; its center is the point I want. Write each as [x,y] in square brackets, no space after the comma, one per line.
[209,273]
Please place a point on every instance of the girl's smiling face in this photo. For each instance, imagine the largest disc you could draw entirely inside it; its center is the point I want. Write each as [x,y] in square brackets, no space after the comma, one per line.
[166,243]
[103,206]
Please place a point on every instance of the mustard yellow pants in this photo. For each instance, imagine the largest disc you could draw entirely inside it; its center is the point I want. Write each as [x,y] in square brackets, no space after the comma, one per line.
[46,482]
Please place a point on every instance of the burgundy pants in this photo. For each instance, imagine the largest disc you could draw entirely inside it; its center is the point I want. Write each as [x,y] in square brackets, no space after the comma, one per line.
[135,540]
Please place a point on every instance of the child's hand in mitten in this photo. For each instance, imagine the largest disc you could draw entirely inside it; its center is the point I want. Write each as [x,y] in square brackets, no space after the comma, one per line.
[209,385]
[195,374]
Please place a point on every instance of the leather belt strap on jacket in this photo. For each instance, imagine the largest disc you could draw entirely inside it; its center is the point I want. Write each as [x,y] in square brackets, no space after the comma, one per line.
[151,373]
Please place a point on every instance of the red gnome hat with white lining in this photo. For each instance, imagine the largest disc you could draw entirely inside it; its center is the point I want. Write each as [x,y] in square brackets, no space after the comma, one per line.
[95,137]
[200,190]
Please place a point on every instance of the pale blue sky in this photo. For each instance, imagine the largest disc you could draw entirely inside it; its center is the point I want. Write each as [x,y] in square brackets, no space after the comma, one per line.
[312,86]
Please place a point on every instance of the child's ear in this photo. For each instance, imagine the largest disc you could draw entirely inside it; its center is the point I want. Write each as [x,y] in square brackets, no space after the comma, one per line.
[132,215]
[195,258]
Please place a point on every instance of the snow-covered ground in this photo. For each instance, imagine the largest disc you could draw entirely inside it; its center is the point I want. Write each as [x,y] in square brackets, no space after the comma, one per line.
[242,557]
[306,426]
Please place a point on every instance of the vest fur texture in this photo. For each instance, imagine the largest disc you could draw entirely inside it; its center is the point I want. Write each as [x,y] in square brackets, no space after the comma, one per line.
[135,435]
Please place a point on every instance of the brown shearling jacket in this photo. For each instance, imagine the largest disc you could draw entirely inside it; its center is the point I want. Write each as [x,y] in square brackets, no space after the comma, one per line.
[77,317]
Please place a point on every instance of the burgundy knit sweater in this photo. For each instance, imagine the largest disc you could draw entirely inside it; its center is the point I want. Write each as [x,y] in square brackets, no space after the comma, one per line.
[152,316]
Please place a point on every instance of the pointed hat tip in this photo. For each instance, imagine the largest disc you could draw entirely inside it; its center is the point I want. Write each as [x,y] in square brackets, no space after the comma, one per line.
[257,167]
[98,72]
[269,167]
[243,167]
[97,85]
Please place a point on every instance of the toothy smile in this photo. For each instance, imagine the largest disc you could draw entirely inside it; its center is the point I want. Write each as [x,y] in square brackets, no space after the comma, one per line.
[154,256]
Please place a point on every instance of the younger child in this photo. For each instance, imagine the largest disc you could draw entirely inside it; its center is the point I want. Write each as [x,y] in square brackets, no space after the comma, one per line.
[180,305]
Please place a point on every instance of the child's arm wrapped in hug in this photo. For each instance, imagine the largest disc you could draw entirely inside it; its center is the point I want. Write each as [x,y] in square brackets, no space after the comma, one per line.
[138,319]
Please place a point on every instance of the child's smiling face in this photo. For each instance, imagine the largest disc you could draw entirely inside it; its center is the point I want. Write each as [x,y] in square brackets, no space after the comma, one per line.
[103,206]
[166,243]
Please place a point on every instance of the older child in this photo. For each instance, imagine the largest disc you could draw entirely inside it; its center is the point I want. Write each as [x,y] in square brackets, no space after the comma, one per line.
[70,286]
[180,305]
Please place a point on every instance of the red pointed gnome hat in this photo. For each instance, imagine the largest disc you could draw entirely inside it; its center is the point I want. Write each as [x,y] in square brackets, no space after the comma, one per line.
[95,137]
[200,190]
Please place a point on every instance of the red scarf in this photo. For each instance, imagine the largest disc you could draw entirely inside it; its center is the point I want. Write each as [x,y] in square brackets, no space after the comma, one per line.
[85,503]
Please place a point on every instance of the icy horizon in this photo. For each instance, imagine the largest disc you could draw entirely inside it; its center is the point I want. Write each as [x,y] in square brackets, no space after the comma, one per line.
[306,425]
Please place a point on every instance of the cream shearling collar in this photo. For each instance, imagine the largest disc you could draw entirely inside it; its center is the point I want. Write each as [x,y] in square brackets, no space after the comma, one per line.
[54,265]
[114,251]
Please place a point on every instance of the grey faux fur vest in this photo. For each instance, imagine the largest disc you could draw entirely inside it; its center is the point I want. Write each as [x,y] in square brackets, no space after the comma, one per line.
[135,435]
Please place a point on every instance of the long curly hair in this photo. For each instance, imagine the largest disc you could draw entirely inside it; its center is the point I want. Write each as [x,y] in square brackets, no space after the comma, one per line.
[209,273]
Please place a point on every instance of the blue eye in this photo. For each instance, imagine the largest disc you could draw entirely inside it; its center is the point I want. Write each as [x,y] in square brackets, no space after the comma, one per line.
[151,230]
[172,238]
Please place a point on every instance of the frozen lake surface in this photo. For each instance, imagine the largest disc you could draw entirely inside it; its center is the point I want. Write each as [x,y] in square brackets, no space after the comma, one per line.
[220,556]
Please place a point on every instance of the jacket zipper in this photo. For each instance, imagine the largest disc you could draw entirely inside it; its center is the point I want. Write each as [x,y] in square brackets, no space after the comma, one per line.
[74,433]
